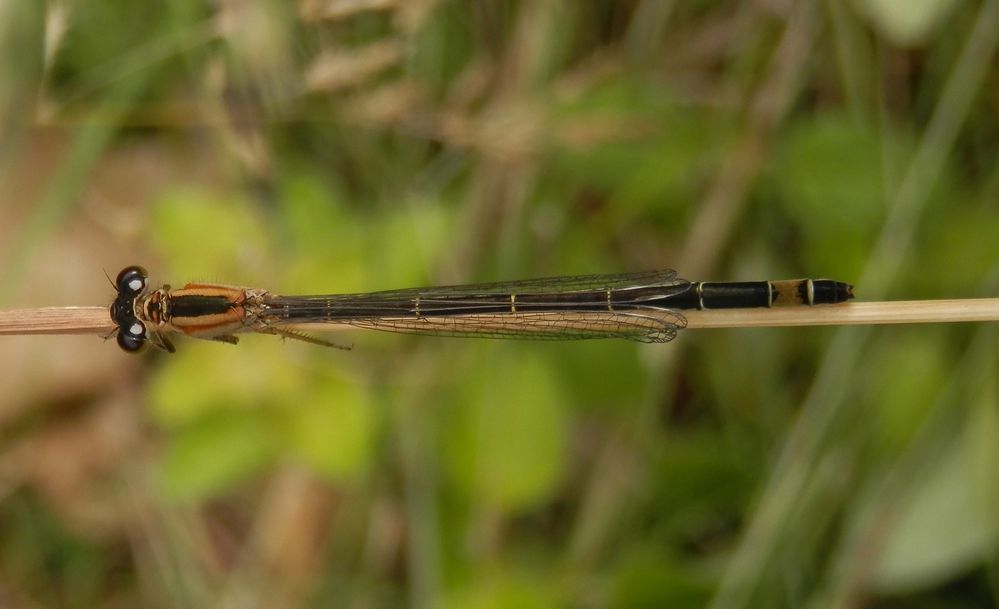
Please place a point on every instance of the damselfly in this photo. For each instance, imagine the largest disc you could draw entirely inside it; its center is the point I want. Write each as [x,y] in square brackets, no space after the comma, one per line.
[642,306]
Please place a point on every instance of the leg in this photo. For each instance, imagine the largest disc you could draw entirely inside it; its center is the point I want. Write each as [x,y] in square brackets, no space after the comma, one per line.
[160,340]
[226,338]
[302,337]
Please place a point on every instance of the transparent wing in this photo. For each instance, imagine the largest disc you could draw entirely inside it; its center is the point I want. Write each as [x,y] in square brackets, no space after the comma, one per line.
[654,326]
[579,307]
[543,285]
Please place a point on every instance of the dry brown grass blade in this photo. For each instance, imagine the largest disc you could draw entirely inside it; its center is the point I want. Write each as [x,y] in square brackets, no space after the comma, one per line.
[56,320]
[95,320]
[852,314]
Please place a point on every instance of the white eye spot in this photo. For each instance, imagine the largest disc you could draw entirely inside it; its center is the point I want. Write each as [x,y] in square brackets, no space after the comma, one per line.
[136,329]
[136,284]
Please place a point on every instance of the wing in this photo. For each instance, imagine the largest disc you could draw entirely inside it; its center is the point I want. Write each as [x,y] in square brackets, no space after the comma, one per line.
[489,310]
[543,285]
[654,326]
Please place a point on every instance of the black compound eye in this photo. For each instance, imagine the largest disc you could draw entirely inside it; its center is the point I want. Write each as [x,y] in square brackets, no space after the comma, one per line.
[130,344]
[131,336]
[131,281]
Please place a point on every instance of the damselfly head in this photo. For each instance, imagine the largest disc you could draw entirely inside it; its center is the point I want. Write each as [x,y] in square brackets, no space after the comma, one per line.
[130,284]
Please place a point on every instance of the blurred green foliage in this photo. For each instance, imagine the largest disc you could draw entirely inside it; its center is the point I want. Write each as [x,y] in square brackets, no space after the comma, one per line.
[505,445]
[323,147]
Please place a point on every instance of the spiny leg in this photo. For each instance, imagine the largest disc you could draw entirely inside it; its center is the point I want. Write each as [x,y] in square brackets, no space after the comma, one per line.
[160,340]
[226,338]
[283,333]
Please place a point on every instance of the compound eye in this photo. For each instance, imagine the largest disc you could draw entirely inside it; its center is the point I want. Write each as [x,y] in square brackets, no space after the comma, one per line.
[131,281]
[132,336]
[130,344]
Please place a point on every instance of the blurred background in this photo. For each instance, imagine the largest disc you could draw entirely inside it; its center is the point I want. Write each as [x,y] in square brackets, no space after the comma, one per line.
[351,145]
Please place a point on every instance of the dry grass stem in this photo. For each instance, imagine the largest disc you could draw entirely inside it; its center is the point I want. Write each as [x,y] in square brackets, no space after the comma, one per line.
[851,314]
[95,320]
[56,320]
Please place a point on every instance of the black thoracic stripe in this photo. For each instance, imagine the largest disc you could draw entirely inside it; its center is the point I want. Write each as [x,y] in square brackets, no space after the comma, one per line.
[196,305]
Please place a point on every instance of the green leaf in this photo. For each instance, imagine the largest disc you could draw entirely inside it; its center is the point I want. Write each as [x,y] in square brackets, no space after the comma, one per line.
[652,170]
[201,378]
[606,375]
[696,492]
[312,212]
[504,592]
[944,527]
[906,22]
[333,428]
[205,237]
[906,373]
[216,452]
[954,234]
[405,243]
[507,440]
[647,579]
[829,171]
[983,431]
